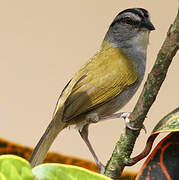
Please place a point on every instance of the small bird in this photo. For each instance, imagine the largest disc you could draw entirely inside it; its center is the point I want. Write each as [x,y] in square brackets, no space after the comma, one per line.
[104,84]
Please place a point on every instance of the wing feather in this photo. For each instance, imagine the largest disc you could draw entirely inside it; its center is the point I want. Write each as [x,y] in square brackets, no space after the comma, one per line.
[102,78]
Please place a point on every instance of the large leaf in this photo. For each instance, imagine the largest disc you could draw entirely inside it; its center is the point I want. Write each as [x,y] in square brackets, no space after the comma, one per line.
[15,168]
[163,162]
[170,123]
[8,147]
[65,172]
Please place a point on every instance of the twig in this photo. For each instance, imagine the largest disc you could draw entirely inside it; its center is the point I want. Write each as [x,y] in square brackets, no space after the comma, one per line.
[121,154]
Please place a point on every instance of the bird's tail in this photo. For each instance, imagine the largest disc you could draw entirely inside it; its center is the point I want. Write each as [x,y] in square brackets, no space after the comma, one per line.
[39,153]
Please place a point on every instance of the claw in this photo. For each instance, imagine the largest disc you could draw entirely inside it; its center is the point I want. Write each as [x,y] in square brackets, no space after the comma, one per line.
[125,116]
[127,121]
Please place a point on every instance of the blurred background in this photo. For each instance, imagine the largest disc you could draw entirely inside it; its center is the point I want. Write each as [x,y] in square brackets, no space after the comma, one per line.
[43,43]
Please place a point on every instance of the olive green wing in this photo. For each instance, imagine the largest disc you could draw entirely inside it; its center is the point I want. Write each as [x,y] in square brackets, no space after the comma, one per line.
[102,78]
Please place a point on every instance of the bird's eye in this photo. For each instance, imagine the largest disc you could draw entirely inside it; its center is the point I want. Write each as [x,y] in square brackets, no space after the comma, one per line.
[127,20]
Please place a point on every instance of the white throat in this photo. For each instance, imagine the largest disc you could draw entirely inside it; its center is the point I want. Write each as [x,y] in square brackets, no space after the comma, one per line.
[140,42]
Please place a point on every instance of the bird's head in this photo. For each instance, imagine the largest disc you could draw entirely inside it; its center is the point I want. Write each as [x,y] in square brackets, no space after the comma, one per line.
[130,27]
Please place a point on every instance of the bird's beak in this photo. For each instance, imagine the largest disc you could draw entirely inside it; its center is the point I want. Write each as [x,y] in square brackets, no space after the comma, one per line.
[147,24]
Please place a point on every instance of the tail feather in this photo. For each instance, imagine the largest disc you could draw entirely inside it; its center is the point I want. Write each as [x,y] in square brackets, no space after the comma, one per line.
[41,150]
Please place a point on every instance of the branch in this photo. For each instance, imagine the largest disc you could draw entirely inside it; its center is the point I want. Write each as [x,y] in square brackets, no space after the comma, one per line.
[121,154]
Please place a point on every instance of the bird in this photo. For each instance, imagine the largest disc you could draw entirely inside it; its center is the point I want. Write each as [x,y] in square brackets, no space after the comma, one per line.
[104,84]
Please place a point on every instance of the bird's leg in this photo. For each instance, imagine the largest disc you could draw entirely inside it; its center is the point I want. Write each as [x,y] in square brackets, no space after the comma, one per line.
[112,116]
[125,116]
[84,135]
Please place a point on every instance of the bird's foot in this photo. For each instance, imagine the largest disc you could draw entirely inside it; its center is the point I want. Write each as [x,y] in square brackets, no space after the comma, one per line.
[125,116]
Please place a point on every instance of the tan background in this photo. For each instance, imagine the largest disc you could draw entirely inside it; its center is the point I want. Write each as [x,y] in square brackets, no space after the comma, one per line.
[43,43]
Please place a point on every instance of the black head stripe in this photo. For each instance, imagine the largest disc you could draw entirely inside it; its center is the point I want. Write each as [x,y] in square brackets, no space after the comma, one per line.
[140,12]
[136,11]
[145,12]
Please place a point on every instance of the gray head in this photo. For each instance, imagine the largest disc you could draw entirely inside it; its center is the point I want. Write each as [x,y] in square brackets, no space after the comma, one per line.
[130,27]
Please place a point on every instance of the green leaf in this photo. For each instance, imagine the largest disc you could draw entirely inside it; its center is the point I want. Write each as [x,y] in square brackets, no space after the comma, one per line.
[2,177]
[15,168]
[170,123]
[65,172]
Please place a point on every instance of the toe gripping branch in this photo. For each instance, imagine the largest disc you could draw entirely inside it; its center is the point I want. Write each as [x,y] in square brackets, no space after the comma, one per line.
[125,116]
